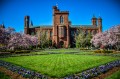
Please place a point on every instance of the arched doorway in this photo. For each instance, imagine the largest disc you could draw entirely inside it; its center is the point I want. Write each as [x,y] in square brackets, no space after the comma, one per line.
[61,43]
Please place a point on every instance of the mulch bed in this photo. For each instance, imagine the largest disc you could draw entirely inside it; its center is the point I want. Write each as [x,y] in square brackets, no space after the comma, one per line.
[110,72]
[12,75]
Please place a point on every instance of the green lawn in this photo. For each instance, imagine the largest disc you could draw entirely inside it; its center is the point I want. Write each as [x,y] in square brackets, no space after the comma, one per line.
[59,65]
[114,76]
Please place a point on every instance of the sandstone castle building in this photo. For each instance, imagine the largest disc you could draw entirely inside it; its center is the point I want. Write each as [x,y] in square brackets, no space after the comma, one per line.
[62,31]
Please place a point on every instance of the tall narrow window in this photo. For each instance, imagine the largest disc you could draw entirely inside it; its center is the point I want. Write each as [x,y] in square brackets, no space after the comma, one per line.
[61,31]
[61,19]
[50,33]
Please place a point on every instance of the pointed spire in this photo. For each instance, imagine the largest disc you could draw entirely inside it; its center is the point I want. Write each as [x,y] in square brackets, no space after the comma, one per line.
[93,16]
[31,23]
[56,5]
[3,25]
[99,17]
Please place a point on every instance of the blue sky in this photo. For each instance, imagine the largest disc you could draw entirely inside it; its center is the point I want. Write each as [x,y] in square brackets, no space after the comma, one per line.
[12,12]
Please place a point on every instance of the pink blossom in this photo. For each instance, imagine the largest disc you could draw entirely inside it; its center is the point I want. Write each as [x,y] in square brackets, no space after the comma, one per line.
[106,38]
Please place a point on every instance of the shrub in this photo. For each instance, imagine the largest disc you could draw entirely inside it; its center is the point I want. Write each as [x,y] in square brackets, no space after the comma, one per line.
[116,51]
[2,50]
[103,51]
[84,49]
[107,51]
[11,51]
[22,51]
[25,51]
[97,51]
[18,52]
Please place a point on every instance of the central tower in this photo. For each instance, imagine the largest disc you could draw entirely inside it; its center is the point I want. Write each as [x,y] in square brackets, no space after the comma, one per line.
[61,35]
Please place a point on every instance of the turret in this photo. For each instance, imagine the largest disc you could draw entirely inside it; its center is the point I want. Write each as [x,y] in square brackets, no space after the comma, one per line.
[100,24]
[2,25]
[94,21]
[55,9]
[26,24]
[99,21]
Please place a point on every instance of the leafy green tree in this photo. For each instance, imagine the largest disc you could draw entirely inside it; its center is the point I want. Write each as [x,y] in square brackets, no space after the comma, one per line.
[82,39]
[88,39]
[79,38]
[43,39]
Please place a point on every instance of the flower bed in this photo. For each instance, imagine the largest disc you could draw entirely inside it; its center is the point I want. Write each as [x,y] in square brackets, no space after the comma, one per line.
[88,74]
[22,71]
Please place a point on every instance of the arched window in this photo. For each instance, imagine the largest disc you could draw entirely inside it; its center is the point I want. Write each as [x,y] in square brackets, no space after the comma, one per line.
[61,19]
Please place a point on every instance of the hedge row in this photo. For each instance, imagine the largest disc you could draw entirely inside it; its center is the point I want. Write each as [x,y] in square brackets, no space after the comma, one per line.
[22,51]
[84,49]
[104,51]
[16,52]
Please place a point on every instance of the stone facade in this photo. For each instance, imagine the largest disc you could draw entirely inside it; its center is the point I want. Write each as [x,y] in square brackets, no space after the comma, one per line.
[62,31]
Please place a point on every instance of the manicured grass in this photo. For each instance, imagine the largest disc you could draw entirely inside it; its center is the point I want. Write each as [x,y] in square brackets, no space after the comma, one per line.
[4,76]
[114,76]
[59,65]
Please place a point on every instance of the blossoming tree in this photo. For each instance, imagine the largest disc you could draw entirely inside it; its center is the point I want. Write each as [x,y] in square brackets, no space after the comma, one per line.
[106,39]
[14,40]
[5,35]
[22,41]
